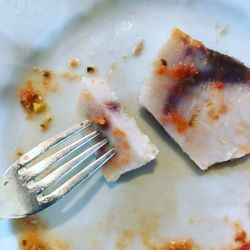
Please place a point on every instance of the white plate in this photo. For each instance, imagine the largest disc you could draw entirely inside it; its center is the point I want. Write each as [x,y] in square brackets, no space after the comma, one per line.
[170,198]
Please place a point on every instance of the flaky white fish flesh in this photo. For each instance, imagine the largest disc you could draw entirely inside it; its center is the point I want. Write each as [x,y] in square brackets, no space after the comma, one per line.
[133,148]
[202,99]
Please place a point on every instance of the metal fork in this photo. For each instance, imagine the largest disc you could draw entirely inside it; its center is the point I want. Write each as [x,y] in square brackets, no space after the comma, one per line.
[22,193]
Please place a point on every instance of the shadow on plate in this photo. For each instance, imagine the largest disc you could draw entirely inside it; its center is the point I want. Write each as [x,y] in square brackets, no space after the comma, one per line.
[228,164]
[130,176]
[176,148]
[70,205]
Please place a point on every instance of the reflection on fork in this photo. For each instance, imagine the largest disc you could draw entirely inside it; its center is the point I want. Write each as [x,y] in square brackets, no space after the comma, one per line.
[28,188]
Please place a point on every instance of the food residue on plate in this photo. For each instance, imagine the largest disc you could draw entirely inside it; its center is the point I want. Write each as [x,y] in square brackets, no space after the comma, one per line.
[44,79]
[33,234]
[32,93]
[31,99]
[46,123]
[91,70]
[139,46]
[127,236]
[71,76]
[241,237]
[74,63]
[19,153]
[38,83]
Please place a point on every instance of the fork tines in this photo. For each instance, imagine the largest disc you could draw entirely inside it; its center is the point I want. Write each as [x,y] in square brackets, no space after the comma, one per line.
[30,174]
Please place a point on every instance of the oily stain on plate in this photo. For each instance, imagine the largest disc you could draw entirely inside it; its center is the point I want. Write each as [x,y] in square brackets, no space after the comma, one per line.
[33,234]
[148,233]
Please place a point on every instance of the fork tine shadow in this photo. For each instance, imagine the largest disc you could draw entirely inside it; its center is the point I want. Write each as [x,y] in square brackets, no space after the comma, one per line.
[72,204]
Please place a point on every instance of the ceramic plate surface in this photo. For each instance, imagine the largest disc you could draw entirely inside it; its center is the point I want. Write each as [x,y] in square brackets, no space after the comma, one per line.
[169,199]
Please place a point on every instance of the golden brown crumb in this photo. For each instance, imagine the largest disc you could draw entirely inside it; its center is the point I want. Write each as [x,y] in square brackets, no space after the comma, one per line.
[19,153]
[99,119]
[193,121]
[39,107]
[46,123]
[74,63]
[91,70]
[240,234]
[139,46]
[67,75]
[215,117]
[47,74]
[31,99]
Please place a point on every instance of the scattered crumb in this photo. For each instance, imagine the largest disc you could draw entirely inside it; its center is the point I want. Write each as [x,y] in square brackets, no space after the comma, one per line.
[193,120]
[71,76]
[19,153]
[33,92]
[91,70]
[139,46]
[46,123]
[240,234]
[39,107]
[47,74]
[31,98]
[44,79]
[74,63]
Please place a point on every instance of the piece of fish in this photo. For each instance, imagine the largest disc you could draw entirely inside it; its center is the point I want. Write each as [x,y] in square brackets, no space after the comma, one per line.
[202,99]
[100,105]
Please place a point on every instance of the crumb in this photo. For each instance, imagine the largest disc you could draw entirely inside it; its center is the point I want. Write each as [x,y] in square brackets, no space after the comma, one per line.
[91,70]
[39,107]
[74,63]
[164,62]
[46,73]
[139,46]
[240,234]
[46,123]
[31,99]
[67,75]
[19,153]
